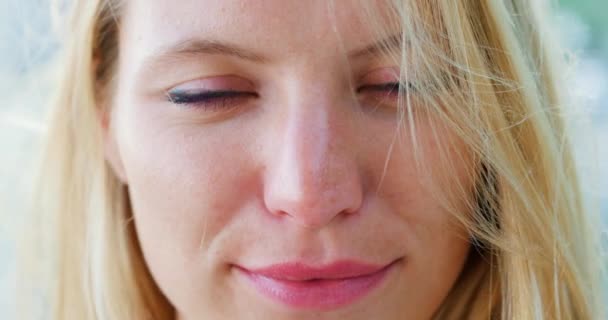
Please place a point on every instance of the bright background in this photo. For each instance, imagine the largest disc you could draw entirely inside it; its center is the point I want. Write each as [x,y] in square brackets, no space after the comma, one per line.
[27,45]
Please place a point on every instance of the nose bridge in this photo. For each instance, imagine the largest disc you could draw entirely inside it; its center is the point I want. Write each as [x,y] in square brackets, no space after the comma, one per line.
[309,141]
[314,177]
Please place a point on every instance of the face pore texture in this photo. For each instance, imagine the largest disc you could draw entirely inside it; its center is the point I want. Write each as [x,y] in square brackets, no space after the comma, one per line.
[291,168]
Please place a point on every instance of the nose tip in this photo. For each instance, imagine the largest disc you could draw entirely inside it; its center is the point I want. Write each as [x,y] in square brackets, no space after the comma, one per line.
[313,205]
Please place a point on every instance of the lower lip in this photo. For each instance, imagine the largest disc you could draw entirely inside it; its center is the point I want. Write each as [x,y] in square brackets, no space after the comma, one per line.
[316,294]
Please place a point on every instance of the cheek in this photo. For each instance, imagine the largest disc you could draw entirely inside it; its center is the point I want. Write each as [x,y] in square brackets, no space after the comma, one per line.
[429,197]
[437,252]
[182,187]
[429,179]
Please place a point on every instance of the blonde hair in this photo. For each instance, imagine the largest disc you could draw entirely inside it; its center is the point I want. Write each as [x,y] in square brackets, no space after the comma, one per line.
[489,74]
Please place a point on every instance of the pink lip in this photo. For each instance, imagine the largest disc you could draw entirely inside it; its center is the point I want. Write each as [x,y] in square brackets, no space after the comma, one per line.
[321,288]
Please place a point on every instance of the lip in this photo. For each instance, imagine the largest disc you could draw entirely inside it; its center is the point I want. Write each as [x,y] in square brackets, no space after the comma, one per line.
[326,287]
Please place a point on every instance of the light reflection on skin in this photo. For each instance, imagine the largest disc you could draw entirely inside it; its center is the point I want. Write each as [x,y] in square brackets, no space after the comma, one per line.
[288,174]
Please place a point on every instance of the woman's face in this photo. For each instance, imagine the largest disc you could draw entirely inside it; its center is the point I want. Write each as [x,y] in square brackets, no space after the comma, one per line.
[259,145]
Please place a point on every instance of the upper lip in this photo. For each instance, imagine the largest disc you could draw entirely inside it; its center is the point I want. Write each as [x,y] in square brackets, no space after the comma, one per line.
[298,271]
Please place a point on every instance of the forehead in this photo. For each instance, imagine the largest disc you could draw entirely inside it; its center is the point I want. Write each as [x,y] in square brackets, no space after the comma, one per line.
[278,27]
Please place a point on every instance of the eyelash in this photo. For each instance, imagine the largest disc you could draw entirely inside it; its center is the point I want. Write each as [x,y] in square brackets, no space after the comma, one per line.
[390,88]
[226,99]
[211,100]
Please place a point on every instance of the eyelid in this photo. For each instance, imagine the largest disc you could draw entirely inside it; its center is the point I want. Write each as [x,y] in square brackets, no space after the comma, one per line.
[215,83]
[380,76]
[217,93]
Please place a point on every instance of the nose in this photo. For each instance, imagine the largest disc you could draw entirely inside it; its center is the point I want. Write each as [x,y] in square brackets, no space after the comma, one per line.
[313,176]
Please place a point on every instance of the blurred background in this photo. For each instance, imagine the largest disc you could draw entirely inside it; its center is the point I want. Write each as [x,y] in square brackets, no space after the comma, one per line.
[27,45]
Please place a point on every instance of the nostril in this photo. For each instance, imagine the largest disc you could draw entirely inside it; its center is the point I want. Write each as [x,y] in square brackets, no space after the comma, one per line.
[308,203]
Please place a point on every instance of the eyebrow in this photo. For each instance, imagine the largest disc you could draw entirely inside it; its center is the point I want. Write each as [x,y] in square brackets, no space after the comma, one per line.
[196,46]
[379,47]
[204,46]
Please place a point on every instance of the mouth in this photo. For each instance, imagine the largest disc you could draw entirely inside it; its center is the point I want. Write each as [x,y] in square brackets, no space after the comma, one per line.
[327,287]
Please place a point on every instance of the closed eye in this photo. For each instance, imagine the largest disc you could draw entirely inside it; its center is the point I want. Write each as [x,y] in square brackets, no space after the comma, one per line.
[388,88]
[212,100]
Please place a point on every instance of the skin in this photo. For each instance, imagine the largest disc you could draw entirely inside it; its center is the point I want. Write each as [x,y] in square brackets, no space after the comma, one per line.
[296,172]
